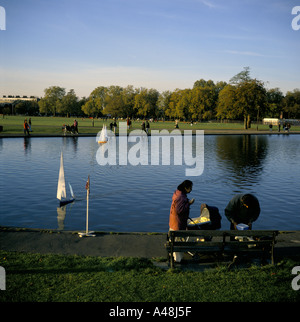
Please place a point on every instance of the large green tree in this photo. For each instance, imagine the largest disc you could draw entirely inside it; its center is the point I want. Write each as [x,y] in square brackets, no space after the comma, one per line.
[95,102]
[226,103]
[292,104]
[114,103]
[251,100]
[52,100]
[243,98]
[163,103]
[204,98]
[179,104]
[146,103]
[183,104]
[275,102]
[203,102]
[69,104]
[128,97]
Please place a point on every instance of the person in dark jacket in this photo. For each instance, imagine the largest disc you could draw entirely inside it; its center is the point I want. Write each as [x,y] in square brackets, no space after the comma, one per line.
[143,127]
[242,209]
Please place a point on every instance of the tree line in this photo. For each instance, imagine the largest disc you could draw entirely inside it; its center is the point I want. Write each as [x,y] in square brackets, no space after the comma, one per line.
[243,98]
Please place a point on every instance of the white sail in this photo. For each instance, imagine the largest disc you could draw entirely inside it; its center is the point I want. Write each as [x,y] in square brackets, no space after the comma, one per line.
[71,190]
[61,186]
[103,135]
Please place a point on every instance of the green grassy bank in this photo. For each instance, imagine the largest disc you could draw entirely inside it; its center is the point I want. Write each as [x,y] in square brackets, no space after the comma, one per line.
[40,278]
[13,125]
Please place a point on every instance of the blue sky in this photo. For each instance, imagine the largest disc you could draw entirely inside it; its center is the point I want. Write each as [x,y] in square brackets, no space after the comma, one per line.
[162,44]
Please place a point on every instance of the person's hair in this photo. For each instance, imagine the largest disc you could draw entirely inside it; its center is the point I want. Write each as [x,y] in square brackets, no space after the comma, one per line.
[185,185]
[249,200]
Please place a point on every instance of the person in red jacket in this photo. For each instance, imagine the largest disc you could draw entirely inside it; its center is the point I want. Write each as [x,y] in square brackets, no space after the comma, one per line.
[180,207]
[180,210]
[26,127]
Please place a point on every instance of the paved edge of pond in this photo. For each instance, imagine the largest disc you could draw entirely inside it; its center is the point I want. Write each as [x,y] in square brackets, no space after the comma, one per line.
[111,244]
[105,244]
[206,132]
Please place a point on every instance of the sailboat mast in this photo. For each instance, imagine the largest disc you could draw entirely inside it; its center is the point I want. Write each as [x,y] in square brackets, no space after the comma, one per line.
[87,232]
[87,205]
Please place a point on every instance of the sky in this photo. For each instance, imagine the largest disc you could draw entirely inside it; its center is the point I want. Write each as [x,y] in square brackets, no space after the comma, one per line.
[161,44]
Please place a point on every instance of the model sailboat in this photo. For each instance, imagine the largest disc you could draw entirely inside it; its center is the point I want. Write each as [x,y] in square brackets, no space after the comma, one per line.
[61,186]
[103,136]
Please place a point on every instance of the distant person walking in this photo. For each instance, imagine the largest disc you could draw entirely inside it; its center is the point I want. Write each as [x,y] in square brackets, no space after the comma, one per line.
[26,127]
[115,126]
[143,126]
[128,123]
[75,126]
[29,123]
[147,127]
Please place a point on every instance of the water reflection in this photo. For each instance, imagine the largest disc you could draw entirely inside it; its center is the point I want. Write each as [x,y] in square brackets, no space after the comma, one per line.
[27,144]
[61,216]
[242,155]
[71,140]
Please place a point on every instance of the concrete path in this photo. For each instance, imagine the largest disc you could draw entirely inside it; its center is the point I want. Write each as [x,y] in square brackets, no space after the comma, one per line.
[69,243]
[147,245]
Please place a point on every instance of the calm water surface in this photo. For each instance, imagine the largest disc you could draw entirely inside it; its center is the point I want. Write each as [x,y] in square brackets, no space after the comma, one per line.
[138,198]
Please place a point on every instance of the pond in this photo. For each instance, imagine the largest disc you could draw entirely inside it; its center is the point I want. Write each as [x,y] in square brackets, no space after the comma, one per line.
[137,198]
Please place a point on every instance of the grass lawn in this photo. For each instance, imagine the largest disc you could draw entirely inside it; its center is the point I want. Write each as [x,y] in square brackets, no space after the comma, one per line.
[40,278]
[13,125]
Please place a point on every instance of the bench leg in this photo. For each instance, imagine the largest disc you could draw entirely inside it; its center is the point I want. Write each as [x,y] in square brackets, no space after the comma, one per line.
[171,252]
[272,252]
[172,261]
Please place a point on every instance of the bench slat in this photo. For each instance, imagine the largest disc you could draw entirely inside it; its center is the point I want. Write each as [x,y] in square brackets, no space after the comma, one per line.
[196,233]
[196,244]
[205,249]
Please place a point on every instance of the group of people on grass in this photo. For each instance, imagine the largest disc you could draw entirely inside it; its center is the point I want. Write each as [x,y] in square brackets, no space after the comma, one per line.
[73,129]
[241,209]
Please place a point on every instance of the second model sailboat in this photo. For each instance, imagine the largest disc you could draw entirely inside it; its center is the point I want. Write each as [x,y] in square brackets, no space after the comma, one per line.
[103,135]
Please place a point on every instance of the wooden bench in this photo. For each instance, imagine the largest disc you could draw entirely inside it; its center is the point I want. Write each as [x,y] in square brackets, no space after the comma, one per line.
[221,242]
